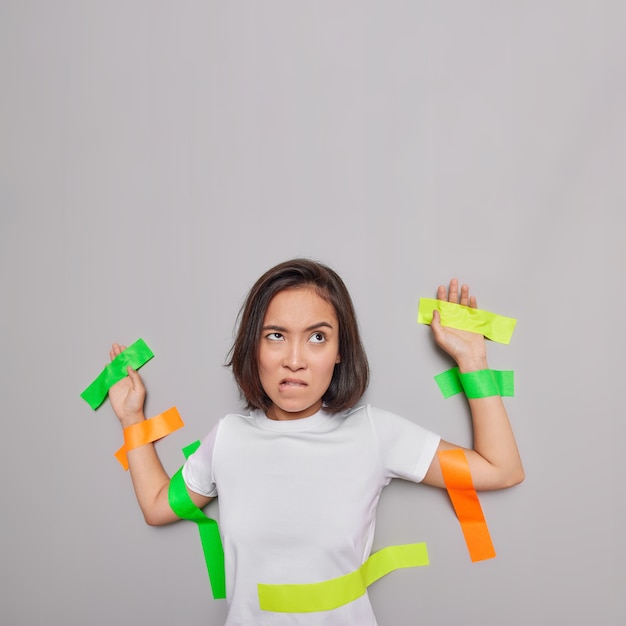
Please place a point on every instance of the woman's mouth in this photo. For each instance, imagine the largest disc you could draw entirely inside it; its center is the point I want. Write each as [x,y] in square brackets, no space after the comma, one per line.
[291,383]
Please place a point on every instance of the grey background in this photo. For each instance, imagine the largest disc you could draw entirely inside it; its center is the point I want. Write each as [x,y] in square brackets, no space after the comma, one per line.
[156,157]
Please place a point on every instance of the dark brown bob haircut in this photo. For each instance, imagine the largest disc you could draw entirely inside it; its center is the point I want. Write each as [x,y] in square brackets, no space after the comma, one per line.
[351,375]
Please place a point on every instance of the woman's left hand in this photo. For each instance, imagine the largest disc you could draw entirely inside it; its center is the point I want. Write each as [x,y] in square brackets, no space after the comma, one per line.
[466,348]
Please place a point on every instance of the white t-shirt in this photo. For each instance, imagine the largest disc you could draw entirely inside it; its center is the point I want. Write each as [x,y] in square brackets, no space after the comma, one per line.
[297,500]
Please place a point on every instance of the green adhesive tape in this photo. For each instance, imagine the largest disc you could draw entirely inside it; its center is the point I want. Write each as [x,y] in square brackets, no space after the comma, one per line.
[330,594]
[495,327]
[185,508]
[479,384]
[449,382]
[136,355]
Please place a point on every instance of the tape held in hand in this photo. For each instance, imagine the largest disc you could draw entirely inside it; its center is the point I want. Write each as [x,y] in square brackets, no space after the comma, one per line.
[135,355]
[495,327]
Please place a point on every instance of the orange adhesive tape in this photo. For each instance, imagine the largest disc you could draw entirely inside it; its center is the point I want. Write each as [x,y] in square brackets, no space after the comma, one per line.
[148,431]
[458,480]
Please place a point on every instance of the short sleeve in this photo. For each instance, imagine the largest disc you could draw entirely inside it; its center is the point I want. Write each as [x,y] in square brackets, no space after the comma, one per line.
[406,449]
[198,469]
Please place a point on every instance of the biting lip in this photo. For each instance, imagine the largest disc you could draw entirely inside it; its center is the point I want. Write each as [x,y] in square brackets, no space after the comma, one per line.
[291,382]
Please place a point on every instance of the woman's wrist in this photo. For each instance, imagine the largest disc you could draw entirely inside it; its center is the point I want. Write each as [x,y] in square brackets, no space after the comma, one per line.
[473,364]
[133,418]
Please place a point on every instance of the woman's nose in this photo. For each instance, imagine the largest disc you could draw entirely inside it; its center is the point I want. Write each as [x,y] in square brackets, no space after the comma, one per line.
[294,357]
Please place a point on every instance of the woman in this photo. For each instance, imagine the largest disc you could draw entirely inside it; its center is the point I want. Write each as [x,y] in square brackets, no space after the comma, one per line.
[300,474]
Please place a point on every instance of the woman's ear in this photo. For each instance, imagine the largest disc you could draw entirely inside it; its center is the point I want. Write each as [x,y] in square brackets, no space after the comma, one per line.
[338,359]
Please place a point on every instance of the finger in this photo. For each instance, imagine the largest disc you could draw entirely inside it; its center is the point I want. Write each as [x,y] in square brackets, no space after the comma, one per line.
[115,350]
[435,323]
[436,327]
[453,292]
[464,298]
[135,378]
[473,302]
[441,292]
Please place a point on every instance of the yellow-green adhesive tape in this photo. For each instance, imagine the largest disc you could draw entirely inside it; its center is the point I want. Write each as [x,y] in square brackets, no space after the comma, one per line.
[495,327]
[185,508]
[331,594]
[480,384]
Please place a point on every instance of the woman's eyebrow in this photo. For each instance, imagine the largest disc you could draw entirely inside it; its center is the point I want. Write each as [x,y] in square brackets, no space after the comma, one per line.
[320,325]
[282,329]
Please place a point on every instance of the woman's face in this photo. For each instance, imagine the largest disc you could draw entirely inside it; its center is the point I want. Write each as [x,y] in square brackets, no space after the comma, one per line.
[298,351]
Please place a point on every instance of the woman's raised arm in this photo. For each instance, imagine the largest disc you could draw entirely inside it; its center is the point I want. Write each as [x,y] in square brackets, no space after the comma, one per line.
[494,461]
[150,480]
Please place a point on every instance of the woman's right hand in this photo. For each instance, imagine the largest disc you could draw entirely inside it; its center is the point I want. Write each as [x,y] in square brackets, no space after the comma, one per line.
[128,395]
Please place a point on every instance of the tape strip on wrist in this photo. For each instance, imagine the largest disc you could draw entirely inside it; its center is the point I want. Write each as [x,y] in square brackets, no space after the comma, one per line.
[478,384]
[148,431]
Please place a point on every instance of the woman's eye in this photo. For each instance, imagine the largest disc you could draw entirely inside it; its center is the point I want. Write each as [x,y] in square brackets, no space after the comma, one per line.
[318,338]
[274,336]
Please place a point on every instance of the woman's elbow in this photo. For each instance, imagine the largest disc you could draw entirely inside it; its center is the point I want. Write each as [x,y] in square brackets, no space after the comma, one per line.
[152,520]
[514,477]
[157,518]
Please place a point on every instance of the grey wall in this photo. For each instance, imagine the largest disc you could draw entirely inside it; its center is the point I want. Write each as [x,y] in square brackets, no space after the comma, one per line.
[156,157]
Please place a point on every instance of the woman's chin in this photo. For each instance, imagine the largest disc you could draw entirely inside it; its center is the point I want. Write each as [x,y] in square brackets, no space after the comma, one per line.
[292,411]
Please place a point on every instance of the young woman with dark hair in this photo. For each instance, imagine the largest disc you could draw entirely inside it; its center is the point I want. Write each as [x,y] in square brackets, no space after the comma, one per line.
[300,474]
[350,377]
